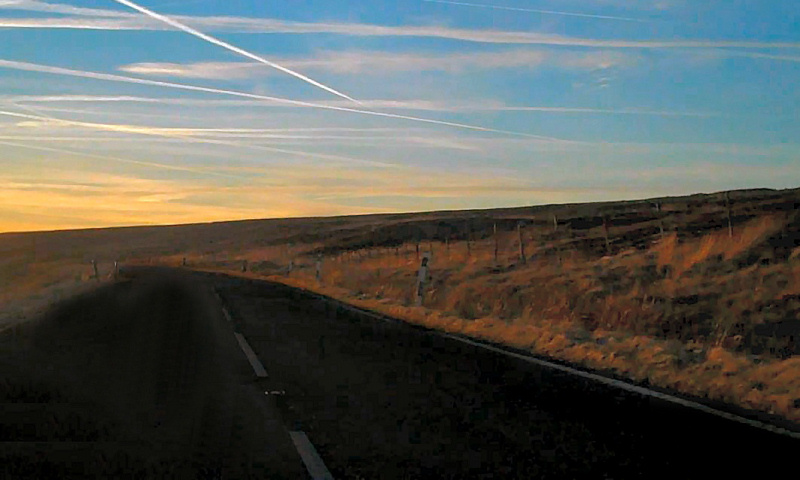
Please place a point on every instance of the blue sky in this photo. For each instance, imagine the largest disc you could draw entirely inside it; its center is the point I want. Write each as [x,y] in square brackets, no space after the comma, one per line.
[503,104]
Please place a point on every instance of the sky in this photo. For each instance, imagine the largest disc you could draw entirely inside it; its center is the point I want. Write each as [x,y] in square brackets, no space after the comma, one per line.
[120,112]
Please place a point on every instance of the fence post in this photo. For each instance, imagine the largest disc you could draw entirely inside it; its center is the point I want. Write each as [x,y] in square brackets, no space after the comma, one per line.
[660,219]
[96,275]
[469,239]
[521,243]
[728,208]
[496,242]
[422,279]
[116,269]
[556,246]
[244,266]
[605,234]
[319,267]
[183,262]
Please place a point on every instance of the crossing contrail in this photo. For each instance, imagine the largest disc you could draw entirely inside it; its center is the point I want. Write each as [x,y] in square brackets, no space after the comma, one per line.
[534,10]
[228,46]
[33,67]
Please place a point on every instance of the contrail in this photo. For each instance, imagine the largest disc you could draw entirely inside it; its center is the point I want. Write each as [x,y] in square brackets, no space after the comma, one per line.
[118,160]
[163,132]
[785,58]
[662,113]
[230,47]
[32,67]
[534,10]
[236,103]
[244,25]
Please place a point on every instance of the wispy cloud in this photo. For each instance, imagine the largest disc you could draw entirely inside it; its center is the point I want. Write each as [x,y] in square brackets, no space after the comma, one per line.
[187,135]
[84,154]
[62,8]
[112,20]
[86,198]
[119,78]
[240,51]
[534,10]
[386,63]
[606,111]
[471,106]
[765,56]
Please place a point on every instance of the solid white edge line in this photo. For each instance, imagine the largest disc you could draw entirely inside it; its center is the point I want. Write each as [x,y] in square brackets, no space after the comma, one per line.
[314,464]
[227,315]
[631,388]
[598,378]
[251,356]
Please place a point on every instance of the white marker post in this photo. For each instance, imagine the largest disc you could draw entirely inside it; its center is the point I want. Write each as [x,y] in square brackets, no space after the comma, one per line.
[422,279]
[116,269]
[94,269]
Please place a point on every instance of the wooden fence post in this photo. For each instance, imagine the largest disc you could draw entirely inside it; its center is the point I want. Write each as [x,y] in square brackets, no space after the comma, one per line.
[319,267]
[556,246]
[522,257]
[728,208]
[660,219]
[96,275]
[469,240]
[605,234]
[496,242]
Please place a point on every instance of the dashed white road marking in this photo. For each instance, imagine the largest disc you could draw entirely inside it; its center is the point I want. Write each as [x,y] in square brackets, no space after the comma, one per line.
[222,302]
[251,356]
[314,464]
[632,388]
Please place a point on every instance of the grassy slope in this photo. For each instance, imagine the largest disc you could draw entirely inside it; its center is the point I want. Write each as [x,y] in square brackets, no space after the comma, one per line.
[690,308]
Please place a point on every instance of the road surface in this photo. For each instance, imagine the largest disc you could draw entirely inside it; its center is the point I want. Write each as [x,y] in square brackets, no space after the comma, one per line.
[150,371]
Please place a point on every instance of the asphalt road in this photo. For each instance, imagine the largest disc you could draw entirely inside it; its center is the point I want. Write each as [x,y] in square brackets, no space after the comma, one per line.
[147,377]
[142,379]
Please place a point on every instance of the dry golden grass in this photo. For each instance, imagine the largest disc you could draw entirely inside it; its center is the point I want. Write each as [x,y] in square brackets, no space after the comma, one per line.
[682,257]
[25,296]
[604,313]
[678,311]
[717,373]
